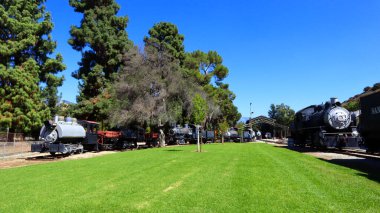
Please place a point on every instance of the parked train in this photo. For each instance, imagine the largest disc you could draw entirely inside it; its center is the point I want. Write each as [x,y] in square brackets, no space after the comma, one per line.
[369,125]
[232,135]
[68,136]
[326,125]
[189,134]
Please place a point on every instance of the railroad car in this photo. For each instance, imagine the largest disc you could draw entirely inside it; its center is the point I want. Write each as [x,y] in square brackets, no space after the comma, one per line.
[61,135]
[325,126]
[249,135]
[232,135]
[369,125]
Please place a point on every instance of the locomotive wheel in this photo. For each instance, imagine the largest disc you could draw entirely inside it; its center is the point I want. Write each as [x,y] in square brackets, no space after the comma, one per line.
[52,153]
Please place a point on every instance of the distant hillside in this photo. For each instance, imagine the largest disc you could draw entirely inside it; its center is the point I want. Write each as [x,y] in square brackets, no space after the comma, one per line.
[352,103]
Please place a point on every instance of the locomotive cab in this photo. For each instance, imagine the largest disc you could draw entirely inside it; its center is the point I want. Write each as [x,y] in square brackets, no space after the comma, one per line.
[91,140]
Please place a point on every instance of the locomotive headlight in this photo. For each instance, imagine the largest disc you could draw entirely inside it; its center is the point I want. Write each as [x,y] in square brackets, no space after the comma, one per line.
[355,133]
[338,118]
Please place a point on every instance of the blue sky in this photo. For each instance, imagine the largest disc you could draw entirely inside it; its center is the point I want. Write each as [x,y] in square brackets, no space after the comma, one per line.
[297,52]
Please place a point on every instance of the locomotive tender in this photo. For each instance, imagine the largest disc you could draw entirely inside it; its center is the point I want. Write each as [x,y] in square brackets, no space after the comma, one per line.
[327,125]
[369,125]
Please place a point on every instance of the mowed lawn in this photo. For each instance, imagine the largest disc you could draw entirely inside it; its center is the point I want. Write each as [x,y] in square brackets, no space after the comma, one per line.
[229,177]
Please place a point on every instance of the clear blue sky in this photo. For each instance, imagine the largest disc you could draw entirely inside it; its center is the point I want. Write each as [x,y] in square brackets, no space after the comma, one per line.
[294,52]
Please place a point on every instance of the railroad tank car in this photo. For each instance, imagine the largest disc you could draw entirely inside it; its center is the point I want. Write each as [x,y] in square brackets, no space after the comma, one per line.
[326,125]
[61,136]
[232,135]
[369,125]
[249,135]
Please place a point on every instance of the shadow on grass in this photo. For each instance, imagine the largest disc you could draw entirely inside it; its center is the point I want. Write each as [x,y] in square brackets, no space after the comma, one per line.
[173,150]
[366,167]
[369,168]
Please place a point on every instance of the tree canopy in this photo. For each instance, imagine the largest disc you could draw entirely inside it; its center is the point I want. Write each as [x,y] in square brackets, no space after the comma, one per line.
[102,39]
[26,65]
[164,36]
[282,113]
[150,89]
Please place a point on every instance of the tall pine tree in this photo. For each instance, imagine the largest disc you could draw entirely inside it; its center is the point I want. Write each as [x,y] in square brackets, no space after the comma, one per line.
[164,37]
[25,47]
[102,39]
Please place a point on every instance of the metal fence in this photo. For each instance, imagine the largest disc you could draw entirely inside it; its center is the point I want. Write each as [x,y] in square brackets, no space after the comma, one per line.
[15,150]
[11,137]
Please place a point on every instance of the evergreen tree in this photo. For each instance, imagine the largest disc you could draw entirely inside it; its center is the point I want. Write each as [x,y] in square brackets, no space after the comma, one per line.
[282,113]
[25,29]
[102,39]
[203,66]
[164,36]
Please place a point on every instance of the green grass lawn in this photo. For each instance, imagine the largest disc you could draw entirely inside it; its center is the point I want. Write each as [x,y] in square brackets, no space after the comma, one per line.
[224,178]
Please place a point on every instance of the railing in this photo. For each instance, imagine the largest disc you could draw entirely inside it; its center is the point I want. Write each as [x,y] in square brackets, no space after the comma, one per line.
[11,137]
[14,146]
[14,150]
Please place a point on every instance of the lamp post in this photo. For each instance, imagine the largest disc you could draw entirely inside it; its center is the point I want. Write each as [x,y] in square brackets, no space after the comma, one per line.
[250,114]
[250,111]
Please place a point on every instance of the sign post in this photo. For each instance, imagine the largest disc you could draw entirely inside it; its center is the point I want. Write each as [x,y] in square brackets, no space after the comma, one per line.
[198,144]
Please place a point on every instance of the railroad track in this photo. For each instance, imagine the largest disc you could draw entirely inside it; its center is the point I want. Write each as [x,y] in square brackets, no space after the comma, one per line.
[347,151]
[47,157]
[358,153]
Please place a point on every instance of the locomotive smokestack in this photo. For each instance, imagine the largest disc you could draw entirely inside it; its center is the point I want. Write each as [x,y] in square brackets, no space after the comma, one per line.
[334,101]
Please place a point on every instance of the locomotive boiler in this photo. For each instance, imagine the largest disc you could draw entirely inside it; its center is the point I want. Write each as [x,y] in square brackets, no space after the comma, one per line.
[325,125]
[61,135]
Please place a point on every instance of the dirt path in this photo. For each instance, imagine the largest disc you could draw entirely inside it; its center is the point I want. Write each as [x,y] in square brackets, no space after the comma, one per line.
[40,158]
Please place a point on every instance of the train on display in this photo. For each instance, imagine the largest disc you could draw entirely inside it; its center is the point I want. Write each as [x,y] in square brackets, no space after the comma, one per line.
[328,125]
[62,135]
[69,136]
[188,134]
[369,125]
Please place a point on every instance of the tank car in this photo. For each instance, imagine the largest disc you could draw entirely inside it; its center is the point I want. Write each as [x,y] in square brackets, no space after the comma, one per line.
[232,135]
[369,126]
[326,125]
[249,135]
[61,135]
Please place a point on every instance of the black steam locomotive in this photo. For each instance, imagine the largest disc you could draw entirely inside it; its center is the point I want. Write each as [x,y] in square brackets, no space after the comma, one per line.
[189,134]
[369,126]
[327,125]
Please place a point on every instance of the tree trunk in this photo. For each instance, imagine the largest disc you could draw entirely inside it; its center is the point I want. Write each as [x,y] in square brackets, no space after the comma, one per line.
[162,138]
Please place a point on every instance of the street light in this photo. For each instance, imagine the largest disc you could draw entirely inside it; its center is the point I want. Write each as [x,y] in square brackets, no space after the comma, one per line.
[250,112]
